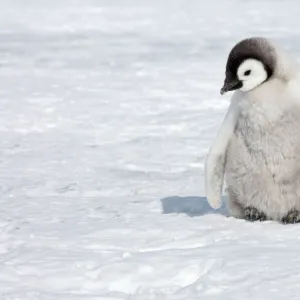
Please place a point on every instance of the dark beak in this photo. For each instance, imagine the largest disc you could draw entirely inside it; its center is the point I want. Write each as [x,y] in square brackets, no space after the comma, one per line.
[230,84]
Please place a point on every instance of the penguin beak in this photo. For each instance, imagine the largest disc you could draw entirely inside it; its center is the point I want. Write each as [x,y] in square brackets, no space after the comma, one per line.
[230,84]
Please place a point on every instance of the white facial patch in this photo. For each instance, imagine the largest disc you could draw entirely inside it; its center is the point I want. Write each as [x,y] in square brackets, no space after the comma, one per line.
[252,73]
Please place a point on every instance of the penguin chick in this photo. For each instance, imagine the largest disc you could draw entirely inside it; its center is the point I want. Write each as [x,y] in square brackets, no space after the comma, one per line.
[258,144]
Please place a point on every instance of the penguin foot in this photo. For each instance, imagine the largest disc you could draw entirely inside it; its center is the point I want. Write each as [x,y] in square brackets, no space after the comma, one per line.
[292,217]
[252,214]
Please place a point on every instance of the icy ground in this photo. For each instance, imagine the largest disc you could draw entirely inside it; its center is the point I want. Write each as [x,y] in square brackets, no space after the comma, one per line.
[107,111]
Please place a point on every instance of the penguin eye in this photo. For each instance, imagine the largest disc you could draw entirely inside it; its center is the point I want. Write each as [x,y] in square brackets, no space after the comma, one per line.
[248,72]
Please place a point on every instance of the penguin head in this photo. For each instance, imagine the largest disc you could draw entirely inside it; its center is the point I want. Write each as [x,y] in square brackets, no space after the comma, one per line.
[250,63]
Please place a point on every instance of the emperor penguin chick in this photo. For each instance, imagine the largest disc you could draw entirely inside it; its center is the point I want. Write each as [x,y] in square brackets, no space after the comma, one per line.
[257,149]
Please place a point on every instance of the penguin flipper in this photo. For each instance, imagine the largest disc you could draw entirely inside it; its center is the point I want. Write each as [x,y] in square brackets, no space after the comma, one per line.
[216,158]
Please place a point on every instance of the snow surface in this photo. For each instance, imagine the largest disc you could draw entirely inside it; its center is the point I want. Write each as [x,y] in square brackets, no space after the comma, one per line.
[108,109]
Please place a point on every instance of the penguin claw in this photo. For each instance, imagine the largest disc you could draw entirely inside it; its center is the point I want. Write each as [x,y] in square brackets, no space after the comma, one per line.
[252,214]
[292,217]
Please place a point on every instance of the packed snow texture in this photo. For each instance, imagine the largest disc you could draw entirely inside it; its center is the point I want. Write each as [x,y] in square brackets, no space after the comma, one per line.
[108,109]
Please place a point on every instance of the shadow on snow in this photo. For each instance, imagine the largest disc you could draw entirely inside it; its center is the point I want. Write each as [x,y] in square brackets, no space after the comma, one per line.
[192,206]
